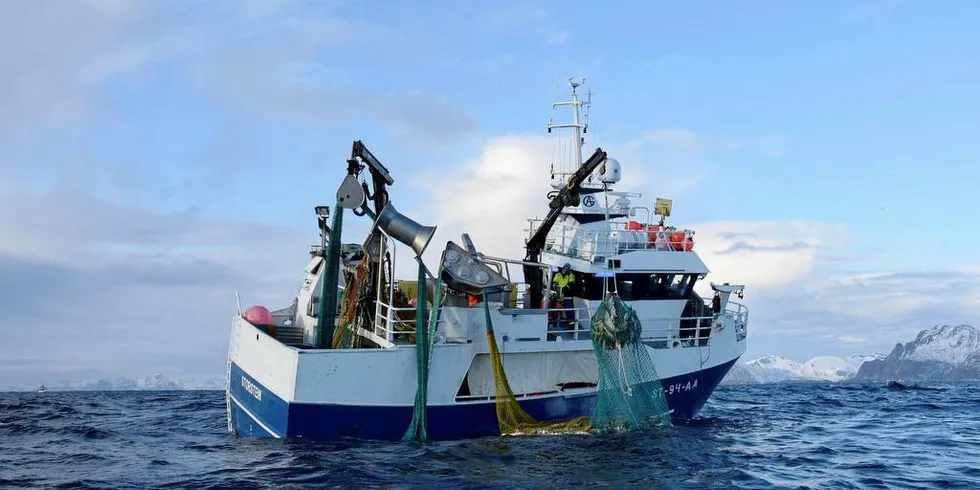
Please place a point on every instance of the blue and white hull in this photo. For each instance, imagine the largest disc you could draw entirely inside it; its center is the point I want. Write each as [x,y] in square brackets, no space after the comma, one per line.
[274,417]
[275,390]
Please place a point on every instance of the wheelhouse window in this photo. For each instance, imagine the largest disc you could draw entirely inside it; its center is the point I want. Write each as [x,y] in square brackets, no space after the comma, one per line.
[640,286]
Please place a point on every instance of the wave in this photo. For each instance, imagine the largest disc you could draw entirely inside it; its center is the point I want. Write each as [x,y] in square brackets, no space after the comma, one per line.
[765,436]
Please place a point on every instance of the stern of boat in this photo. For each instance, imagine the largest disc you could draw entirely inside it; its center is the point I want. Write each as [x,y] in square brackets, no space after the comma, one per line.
[261,379]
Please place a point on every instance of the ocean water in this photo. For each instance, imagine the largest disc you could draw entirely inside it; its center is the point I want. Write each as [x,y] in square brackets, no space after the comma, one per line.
[775,436]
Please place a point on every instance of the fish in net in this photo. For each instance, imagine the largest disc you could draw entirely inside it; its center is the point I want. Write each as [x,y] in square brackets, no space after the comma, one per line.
[629,394]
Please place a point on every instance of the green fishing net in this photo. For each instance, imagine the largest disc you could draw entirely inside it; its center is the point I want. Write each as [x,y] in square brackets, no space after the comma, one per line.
[629,395]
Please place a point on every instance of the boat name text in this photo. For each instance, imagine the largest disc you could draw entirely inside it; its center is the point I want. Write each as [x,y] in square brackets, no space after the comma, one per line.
[679,387]
[252,389]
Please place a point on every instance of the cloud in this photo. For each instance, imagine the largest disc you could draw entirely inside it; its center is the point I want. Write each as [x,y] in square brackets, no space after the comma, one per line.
[110,263]
[848,313]
[40,224]
[48,65]
[110,289]
[741,246]
[284,78]
[805,298]
[272,57]
[763,254]
[895,296]
[490,197]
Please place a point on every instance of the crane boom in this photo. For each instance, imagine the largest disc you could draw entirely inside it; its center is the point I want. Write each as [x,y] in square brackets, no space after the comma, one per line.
[380,177]
[566,196]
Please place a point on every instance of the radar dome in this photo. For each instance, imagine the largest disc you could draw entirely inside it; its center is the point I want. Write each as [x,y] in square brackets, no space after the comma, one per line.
[611,171]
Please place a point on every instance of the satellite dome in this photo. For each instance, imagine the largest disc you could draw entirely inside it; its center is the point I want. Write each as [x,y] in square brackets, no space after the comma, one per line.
[611,171]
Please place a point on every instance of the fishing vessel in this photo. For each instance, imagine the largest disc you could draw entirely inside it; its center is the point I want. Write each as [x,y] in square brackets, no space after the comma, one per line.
[347,357]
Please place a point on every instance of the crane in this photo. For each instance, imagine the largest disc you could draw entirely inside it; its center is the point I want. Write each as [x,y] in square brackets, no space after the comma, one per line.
[566,196]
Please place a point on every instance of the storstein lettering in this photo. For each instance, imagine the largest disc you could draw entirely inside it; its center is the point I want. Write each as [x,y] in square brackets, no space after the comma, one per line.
[252,389]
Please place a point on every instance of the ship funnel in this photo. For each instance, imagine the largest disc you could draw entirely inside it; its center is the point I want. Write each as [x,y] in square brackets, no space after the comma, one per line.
[404,230]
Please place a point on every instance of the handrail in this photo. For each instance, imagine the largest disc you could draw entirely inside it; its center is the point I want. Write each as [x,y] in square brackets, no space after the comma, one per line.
[669,329]
[634,209]
[739,308]
[740,316]
[388,322]
[589,243]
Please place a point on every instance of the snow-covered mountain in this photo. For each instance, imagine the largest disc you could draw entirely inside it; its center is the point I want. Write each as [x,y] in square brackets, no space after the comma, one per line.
[155,382]
[775,369]
[942,353]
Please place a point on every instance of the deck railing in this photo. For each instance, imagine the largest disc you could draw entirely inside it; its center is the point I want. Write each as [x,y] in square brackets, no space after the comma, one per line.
[656,330]
[741,314]
[588,244]
[398,326]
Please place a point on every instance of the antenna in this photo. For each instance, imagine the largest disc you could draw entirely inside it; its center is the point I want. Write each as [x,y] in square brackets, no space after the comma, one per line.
[585,118]
[552,89]
[578,125]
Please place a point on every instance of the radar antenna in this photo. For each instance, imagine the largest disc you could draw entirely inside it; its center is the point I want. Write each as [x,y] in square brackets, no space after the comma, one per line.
[579,126]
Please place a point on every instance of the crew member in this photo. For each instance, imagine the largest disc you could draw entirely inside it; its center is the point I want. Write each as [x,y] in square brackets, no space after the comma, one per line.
[716,303]
[562,281]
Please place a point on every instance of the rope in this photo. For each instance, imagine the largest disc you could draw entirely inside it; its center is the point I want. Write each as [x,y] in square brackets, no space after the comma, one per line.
[624,382]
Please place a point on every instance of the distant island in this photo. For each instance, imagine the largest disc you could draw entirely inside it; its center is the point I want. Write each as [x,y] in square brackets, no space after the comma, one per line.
[943,353]
[781,369]
[158,382]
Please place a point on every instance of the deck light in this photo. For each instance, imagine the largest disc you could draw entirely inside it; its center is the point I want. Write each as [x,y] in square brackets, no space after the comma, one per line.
[482,278]
[468,273]
[322,213]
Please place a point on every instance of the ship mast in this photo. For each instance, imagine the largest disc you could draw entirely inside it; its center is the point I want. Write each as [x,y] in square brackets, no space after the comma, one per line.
[579,127]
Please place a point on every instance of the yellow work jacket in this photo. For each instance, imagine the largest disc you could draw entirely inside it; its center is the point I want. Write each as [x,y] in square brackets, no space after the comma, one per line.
[562,281]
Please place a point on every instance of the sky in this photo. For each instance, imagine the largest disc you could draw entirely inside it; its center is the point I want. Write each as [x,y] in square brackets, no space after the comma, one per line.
[157,157]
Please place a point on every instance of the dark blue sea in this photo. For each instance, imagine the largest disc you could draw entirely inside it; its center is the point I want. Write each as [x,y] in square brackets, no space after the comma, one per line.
[775,436]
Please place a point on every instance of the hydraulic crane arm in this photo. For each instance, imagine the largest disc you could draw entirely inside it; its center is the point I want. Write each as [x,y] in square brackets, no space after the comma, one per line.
[379,175]
[566,196]
[359,151]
